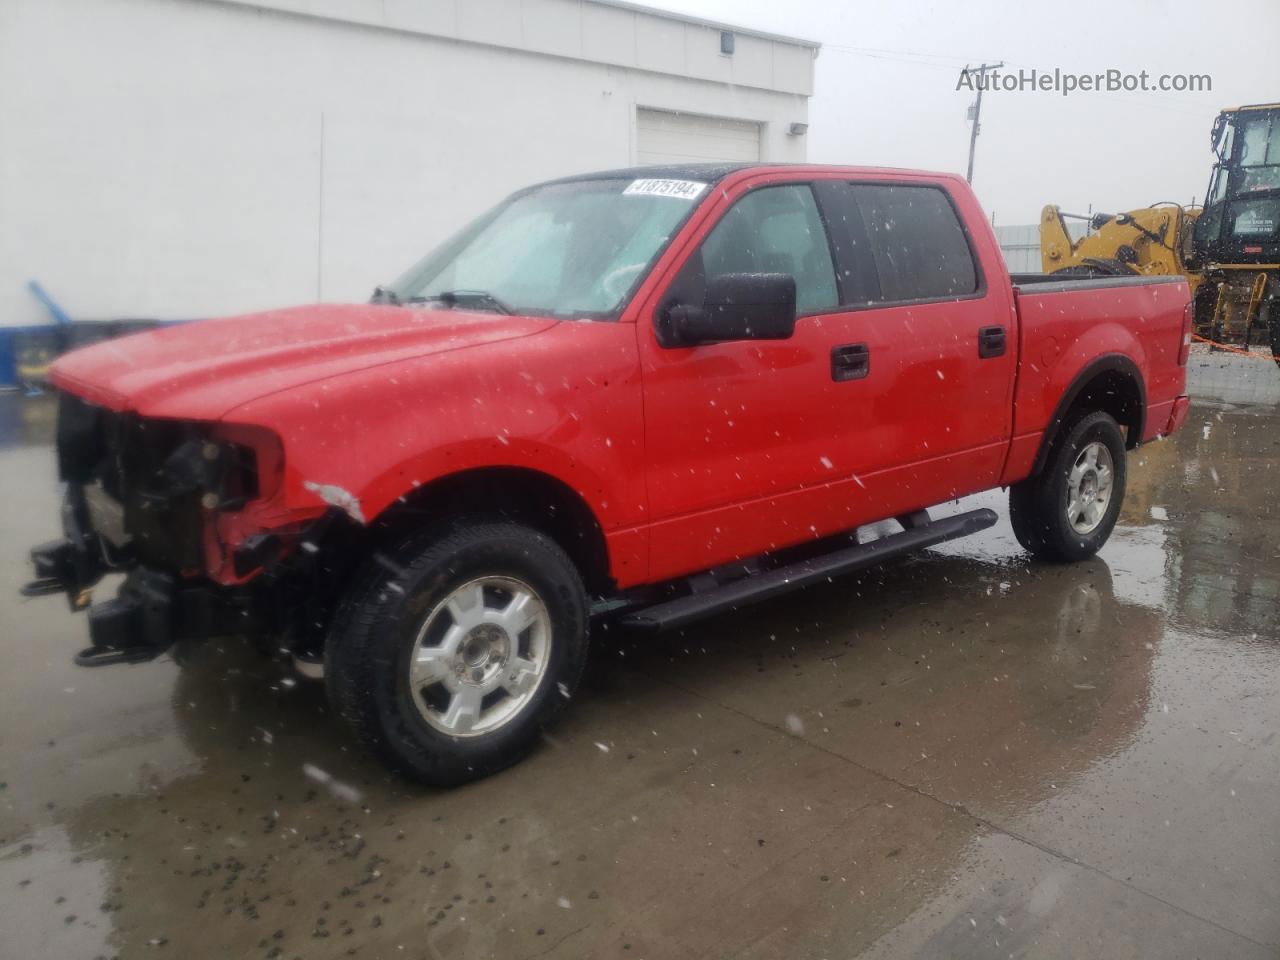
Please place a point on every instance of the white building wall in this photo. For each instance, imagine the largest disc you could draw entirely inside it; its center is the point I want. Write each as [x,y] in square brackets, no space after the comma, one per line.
[185,158]
[1020,244]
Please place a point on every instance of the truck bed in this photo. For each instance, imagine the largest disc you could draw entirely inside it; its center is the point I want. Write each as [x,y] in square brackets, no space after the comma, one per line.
[1073,324]
[1041,281]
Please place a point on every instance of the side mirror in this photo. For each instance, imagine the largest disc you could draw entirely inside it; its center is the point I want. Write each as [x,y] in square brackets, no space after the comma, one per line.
[737,306]
[1216,138]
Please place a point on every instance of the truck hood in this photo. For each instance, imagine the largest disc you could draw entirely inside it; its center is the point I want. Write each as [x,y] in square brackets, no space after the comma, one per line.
[202,370]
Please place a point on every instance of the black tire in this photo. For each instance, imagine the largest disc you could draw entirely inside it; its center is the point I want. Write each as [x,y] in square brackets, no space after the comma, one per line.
[376,632]
[1038,505]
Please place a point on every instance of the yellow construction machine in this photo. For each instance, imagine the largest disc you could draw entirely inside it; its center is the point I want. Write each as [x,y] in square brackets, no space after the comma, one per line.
[1147,242]
[1229,250]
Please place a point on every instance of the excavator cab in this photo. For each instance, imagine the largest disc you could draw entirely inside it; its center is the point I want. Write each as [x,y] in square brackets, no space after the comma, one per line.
[1241,219]
[1235,245]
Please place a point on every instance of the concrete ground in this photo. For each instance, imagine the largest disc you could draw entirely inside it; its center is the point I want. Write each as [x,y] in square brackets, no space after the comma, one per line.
[964,755]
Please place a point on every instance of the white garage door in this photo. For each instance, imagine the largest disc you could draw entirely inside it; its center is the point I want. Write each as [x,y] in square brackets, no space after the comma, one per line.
[665,137]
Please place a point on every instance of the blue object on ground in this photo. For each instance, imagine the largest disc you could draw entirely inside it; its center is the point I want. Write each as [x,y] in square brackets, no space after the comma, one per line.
[37,345]
[60,316]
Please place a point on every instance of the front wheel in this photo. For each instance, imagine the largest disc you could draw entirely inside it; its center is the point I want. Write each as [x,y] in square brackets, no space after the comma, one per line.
[1068,510]
[454,652]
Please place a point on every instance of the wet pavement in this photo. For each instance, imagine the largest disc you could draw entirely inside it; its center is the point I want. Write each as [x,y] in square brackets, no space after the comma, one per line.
[963,755]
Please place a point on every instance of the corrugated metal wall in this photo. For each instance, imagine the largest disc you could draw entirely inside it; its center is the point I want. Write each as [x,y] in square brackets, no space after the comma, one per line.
[1020,244]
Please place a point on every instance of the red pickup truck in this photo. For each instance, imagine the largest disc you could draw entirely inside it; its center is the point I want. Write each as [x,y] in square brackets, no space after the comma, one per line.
[648,394]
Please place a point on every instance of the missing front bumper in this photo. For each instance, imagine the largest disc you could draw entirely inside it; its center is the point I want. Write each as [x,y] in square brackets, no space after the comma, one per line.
[152,611]
[134,627]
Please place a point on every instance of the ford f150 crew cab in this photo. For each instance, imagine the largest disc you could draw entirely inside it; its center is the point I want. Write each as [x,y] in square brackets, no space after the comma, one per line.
[647,394]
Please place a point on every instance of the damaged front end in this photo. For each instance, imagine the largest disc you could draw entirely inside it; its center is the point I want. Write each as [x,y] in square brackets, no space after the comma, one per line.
[152,499]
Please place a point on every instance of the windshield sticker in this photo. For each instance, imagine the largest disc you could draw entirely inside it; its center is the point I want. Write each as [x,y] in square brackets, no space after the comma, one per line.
[680,189]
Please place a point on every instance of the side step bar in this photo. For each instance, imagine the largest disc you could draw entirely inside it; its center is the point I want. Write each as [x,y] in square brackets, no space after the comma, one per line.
[738,593]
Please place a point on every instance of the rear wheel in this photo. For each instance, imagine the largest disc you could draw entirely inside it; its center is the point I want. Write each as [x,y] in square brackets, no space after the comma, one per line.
[1068,510]
[454,652]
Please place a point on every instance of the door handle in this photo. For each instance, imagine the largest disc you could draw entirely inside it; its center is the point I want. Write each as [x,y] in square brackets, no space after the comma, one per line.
[991,342]
[850,361]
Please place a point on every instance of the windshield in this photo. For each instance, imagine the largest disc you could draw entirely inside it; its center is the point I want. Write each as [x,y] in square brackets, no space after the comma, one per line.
[573,249]
[1260,143]
[1260,154]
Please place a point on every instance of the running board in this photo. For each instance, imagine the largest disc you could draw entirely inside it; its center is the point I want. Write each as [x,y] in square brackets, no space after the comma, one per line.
[739,593]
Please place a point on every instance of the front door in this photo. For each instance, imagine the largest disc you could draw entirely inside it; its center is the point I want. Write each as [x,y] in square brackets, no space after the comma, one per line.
[744,439]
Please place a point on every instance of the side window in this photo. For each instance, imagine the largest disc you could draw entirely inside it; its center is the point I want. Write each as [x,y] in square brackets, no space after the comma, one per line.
[916,243]
[773,230]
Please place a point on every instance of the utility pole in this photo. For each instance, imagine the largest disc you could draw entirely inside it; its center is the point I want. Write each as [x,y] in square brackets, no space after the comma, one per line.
[975,111]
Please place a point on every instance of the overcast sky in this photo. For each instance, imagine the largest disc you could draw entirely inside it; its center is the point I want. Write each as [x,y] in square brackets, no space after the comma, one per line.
[886,90]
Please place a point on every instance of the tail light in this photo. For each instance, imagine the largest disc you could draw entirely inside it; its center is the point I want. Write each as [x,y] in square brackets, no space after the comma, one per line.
[1187,315]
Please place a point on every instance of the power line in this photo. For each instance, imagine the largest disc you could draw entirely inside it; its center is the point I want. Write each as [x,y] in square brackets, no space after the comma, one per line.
[941,61]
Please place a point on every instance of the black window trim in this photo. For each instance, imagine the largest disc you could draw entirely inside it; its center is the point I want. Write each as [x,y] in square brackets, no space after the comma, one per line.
[843,242]
[979,292]
[832,250]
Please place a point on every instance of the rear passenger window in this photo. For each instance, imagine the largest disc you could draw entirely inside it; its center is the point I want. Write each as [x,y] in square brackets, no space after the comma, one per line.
[916,241]
[775,230]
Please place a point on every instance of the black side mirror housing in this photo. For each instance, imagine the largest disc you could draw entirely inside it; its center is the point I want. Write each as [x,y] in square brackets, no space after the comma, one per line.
[737,306]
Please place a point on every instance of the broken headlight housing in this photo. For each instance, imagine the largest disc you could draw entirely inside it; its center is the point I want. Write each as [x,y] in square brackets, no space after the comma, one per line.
[150,484]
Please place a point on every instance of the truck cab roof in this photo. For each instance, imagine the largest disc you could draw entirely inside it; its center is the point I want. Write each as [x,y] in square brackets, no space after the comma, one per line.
[717,171]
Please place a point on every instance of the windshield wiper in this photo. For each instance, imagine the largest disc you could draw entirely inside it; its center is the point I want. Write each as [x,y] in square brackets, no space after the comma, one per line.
[454,298]
[384,295]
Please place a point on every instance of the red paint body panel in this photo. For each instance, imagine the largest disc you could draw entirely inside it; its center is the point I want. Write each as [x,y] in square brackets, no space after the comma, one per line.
[565,402]
[687,457]
[1062,332]
[201,371]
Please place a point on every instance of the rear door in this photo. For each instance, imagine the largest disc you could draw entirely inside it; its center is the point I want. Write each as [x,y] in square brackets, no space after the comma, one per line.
[940,339]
